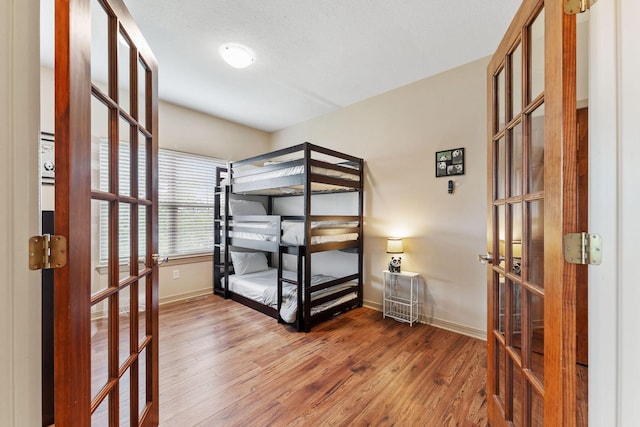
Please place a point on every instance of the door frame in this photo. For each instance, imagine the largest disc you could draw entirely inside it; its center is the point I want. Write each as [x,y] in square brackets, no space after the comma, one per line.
[20,292]
[614,297]
[560,133]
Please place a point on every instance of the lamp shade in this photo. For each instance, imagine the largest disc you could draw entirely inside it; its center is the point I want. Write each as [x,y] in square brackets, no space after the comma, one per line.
[394,245]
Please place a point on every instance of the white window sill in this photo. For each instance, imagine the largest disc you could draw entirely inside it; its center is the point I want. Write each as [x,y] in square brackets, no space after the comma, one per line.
[181,260]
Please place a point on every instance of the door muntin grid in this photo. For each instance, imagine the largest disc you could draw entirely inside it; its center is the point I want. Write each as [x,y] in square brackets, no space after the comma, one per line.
[516,320]
[121,189]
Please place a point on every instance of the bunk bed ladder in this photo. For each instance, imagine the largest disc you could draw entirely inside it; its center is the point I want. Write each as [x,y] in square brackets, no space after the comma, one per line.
[307,239]
[219,242]
[361,233]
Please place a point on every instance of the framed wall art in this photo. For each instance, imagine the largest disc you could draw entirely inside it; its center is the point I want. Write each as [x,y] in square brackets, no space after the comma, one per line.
[450,162]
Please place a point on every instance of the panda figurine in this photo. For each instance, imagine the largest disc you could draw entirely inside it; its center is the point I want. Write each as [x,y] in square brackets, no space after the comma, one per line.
[394,264]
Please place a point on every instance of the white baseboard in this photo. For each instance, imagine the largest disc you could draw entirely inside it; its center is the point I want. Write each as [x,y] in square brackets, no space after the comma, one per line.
[185,296]
[456,327]
[164,300]
[372,305]
[439,323]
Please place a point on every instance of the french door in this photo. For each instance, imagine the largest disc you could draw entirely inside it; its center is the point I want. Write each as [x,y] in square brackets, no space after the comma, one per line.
[531,205]
[106,297]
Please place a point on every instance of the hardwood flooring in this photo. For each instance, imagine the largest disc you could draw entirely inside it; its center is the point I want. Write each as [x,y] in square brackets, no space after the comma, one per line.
[223,364]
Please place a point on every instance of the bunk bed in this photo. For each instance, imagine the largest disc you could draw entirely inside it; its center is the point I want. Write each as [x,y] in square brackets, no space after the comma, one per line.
[253,244]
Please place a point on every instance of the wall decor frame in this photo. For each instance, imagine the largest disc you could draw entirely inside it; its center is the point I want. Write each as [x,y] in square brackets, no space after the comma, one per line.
[450,162]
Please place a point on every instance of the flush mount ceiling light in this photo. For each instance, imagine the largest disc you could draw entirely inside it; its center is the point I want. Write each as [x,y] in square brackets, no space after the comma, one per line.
[236,55]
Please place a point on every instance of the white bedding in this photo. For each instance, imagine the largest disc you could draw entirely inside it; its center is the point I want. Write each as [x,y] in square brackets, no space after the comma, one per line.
[256,226]
[294,170]
[262,287]
[295,187]
[293,232]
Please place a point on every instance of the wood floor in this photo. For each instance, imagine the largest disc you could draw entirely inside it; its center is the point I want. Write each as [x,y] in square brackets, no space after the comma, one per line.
[223,364]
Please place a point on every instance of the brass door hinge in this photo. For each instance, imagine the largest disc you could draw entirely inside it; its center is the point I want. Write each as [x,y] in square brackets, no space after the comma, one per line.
[573,7]
[47,251]
[583,248]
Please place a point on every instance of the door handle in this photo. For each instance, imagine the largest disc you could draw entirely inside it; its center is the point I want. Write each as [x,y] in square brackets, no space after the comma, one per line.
[485,259]
[157,260]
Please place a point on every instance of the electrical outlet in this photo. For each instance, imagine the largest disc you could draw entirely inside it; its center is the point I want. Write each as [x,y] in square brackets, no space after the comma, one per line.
[176,274]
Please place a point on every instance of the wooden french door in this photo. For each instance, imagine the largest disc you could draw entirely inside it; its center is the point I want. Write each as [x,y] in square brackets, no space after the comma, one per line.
[106,298]
[531,205]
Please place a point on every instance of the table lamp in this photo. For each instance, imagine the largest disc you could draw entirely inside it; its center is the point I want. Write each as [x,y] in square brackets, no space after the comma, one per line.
[394,246]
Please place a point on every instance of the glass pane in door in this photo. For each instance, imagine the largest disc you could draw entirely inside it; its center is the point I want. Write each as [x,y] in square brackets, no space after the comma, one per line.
[535,243]
[536,63]
[142,165]
[99,246]
[516,237]
[518,403]
[502,307]
[124,325]
[141,310]
[502,235]
[124,72]
[142,237]
[502,373]
[100,417]
[142,381]
[536,150]
[99,46]
[124,158]
[99,348]
[515,162]
[536,326]
[516,318]
[125,399]
[516,81]
[100,116]
[500,99]
[501,169]
[142,91]
[537,410]
[124,228]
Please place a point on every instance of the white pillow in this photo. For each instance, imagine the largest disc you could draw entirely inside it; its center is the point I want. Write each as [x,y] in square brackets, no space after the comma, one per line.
[246,207]
[248,262]
[293,232]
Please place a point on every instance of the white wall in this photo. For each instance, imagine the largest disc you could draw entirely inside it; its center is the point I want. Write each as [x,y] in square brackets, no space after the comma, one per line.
[614,295]
[20,293]
[183,130]
[398,133]
[190,131]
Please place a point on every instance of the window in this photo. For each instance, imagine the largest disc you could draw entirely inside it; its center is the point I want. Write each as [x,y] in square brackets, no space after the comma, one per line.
[186,203]
[186,185]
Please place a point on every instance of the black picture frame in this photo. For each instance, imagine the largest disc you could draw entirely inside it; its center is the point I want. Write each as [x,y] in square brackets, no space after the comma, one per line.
[450,162]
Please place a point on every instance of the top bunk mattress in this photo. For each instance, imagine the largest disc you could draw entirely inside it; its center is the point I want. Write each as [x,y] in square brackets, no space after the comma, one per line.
[282,172]
[290,181]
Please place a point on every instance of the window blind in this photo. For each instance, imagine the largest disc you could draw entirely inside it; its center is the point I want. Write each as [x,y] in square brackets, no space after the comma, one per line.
[186,184]
[186,203]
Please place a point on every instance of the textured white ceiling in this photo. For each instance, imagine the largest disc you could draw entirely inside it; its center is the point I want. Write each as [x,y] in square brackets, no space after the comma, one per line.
[312,56]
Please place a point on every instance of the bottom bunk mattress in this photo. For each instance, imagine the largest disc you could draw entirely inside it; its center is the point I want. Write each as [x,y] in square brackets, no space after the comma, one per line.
[262,287]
